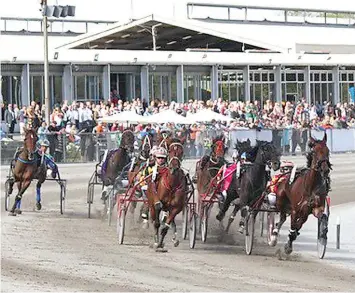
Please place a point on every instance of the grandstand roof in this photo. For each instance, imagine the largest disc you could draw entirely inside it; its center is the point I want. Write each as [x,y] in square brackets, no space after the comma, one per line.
[179,34]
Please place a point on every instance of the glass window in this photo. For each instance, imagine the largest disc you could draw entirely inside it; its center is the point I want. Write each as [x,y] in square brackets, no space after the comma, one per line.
[256,76]
[137,84]
[37,90]
[290,76]
[343,77]
[351,77]
[6,89]
[300,76]
[57,91]
[264,77]
[271,77]
[16,90]
[80,88]
[330,76]
[324,76]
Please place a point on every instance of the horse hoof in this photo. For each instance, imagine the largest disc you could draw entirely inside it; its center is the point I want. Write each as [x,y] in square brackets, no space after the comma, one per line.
[145,225]
[219,217]
[38,206]
[241,229]
[176,243]
[18,211]
[161,249]
[288,249]
[12,214]
[273,240]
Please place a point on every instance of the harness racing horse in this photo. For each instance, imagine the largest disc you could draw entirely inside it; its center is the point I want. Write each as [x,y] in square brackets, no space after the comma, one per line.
[116,160]
[26,169]
[306,194]
[253,180]
[169,194]
[208,167]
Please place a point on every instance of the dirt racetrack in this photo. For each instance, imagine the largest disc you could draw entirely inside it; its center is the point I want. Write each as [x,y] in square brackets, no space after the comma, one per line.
[46,251]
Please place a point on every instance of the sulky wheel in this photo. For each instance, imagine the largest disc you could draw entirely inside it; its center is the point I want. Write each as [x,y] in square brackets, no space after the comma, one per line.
[7,194]
[322,235]
[121,221]
[204,224]
[185,219]
[63,191]
[192,229]
[249,232]
[90,198]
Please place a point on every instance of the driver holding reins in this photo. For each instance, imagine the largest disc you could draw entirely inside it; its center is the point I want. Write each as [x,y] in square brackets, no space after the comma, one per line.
[48,160]
[272,186]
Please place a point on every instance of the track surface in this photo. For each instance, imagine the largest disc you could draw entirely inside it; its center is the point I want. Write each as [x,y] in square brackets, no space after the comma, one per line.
[46,251]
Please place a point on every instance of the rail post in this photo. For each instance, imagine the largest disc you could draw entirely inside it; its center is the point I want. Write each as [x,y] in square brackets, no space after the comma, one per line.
[338,233]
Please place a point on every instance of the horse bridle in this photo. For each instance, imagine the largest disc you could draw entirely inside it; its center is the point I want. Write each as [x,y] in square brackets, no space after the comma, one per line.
[175,157]
[146,141]
[126,147]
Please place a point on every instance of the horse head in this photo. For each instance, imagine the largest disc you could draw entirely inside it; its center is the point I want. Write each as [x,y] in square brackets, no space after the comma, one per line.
[175,153]
[127,140]
[146,146]
[218,148]
[269,154]
[318,157]
[30,142]
[243,147]
[318,160]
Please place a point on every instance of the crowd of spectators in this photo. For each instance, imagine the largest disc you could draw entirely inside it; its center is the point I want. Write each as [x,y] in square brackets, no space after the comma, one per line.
[72,118]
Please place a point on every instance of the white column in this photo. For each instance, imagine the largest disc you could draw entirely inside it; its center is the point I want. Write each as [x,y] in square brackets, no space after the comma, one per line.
[278,93]
[214,82]
[336,85]
[106,86]
[25,85]
[145,84]
[180,83]
[246,83]
[307,77]
[67,84]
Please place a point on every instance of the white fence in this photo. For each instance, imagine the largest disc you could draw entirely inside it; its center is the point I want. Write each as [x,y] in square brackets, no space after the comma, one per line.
[338,140]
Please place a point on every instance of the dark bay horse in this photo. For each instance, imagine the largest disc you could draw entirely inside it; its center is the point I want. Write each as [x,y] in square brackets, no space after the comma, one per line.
[306,194]
[170,193]
[116,160]
[253,180]
[28,166]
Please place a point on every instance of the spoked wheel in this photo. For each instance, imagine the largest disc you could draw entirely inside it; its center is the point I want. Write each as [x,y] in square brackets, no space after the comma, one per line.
[249,232]
[7,195]
[63,191]
[322,235]
[270,228]
[121,220]
[192,229]
[90,198]
[109,203]
[261,219]
[185,219]
[204,224]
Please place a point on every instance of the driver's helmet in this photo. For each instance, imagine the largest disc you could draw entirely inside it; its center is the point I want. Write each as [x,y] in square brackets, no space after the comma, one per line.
[44,142]
[153,151]
[286,166]
[161,153]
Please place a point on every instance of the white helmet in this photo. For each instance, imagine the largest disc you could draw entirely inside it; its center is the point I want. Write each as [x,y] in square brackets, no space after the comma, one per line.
[161,153]
[153,150]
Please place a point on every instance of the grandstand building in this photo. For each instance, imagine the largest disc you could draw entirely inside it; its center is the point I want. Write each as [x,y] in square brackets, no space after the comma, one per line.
[235,52]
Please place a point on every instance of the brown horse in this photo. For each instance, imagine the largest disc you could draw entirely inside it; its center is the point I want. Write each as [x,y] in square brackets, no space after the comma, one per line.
[116,160]
[27,167]
[307,194]
[168,194]
[208,167]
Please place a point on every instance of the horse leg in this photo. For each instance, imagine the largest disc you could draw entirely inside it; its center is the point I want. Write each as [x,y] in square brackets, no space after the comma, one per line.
[167,224]
[144,215]
[276,231]
[157,209]
[232,216]
[296,225]
[175,240]
[11,185]
[18,206]
[38,196]
[227,203]
[22,188]
[104,193]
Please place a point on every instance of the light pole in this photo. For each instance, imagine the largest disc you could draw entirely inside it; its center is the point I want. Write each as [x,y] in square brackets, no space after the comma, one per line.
[49,11]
